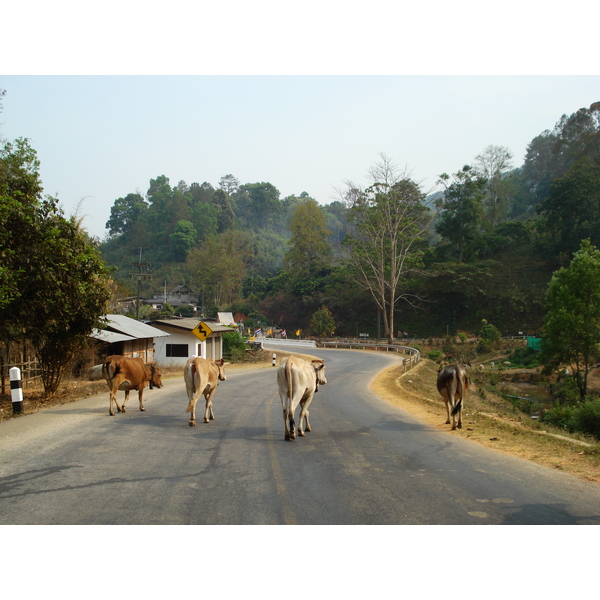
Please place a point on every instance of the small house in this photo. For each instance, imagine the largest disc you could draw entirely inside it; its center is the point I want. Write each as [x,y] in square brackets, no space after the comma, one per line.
[182,343]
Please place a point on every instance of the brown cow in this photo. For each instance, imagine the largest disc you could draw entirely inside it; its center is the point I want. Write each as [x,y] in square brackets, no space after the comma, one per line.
[202,376]
[124,373]
[298,381]
[453,384]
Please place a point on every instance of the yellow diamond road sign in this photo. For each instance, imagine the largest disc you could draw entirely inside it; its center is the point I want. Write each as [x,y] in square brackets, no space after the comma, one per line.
[202,331]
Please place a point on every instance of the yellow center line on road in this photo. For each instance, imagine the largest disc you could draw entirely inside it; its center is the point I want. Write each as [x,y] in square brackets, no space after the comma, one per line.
[288,515]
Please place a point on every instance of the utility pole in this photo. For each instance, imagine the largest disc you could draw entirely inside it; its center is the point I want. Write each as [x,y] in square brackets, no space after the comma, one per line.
[140,265]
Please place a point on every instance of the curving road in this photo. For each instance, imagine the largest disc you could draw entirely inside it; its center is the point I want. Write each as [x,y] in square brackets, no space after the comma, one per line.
[365,462]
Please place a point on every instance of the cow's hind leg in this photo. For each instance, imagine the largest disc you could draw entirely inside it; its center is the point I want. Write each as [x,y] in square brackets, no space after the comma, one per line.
[122,409]
[208,410]
[140,394]
[304,417]
[192,409]
[113,398]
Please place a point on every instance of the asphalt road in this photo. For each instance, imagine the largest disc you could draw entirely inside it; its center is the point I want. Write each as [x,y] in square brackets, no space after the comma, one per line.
[365,462]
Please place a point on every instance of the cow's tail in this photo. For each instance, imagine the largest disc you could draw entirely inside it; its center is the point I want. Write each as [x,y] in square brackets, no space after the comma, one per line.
[454,387]
[457,386]
[193,383]
[107,372]
[288,377]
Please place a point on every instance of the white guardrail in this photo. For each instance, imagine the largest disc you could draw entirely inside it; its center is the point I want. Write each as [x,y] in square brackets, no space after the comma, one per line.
[414,356]
[286,342]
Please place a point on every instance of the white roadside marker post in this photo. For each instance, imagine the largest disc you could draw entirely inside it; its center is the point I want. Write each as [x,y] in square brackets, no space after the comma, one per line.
[16,390]
[274,358]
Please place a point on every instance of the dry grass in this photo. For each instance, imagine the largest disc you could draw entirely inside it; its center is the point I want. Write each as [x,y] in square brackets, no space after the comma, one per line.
[489,422]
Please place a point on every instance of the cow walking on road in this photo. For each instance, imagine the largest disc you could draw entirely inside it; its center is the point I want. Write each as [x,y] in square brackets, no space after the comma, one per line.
[202,376]
[298,381]
[453,385]
[124,373]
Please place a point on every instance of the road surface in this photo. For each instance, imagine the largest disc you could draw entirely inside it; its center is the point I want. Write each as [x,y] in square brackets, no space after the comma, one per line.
[365,462]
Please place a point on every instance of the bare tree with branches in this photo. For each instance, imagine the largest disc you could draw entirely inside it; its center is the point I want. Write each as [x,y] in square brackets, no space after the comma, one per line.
[390,222]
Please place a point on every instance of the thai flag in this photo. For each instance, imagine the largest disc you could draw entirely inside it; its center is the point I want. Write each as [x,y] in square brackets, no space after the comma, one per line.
[284,333]
[258,332]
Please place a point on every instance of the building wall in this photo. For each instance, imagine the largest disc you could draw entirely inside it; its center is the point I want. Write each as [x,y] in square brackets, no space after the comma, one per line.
[212,347]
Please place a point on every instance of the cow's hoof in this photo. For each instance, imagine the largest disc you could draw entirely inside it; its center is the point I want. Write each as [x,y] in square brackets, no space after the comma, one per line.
[301,433]
[142,409]
[192,423]
[459,425]
[111,413]
[206,420]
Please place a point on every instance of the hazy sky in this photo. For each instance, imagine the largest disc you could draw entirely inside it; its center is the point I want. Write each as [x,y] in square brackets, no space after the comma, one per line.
[101,137]
[305,99]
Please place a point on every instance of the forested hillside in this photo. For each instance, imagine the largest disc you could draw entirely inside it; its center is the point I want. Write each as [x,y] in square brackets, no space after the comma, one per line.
[381,257]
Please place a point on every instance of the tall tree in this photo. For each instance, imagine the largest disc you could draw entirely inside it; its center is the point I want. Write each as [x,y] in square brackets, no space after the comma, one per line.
[571,333]
[125,212]
[390,222]
[309,249]
[492,164]
[460,220]
[229,184]
[54,285]
[572,208]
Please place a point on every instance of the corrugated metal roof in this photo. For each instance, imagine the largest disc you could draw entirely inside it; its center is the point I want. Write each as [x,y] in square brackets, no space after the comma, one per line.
[110,337]
[133,328]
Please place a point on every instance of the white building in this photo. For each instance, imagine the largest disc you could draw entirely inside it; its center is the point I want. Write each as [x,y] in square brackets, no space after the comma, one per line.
[182,343]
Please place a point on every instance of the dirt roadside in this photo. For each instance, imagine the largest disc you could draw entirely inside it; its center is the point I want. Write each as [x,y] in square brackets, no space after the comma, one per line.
[416,393]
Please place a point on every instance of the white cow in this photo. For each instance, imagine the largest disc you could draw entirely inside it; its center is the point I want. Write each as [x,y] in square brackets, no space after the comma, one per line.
[202,376]
[298,381]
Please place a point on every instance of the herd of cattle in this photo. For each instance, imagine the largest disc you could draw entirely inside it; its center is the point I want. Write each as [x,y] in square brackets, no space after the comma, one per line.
[297,379]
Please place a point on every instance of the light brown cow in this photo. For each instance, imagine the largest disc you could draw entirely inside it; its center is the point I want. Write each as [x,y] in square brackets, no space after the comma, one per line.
[453,385]
[298,381]
[202,376]
[124,373]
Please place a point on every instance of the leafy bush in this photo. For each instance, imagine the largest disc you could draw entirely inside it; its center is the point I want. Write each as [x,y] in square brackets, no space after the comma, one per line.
[234,346]
[586,418]
[565,390]
[559,416]
[435,355]
[525,358]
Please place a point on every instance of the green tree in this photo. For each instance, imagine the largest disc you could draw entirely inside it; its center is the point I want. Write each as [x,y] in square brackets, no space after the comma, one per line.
[572,208]
[263,204]
[571,333]
[308,247]
[226,216]
[322,323]
[460,221]
[183,239]
[54,286]
[390,222]
[125,212]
